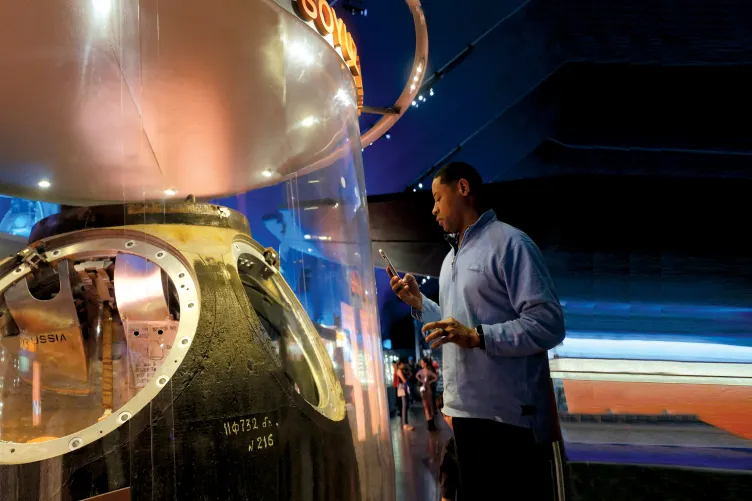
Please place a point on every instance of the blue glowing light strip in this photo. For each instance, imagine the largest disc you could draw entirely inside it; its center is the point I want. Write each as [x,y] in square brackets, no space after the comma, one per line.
[685,311]
[586,345]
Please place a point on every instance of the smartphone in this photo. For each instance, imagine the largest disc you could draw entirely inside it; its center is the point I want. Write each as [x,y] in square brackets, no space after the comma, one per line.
[390,269]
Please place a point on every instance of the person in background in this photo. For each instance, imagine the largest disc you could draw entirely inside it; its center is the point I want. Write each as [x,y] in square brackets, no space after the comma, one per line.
[435,385]
[426,377]
[412,371]
[498,316]
[395,385]
[403,395]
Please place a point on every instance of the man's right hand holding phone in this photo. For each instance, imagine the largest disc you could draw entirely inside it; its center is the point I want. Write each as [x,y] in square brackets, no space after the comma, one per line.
[407,290]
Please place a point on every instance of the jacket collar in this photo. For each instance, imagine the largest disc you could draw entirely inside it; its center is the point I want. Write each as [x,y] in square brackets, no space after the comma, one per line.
[454,238]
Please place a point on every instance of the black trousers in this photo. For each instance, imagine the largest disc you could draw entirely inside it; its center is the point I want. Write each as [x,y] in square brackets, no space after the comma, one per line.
[497,461]
[449,473]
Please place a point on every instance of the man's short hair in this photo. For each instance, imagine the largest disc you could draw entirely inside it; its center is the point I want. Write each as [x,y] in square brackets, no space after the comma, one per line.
[454,171]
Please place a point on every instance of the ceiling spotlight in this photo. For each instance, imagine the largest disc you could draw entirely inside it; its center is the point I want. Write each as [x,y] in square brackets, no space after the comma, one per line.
[430,92]
[44,184]
[308,121]
[415,78]
[170,193]
[388,136]
[415,104]
[412,87]
[419,69]
[421,98]
[414,190]
[266,173]
[307,237]
[420,185]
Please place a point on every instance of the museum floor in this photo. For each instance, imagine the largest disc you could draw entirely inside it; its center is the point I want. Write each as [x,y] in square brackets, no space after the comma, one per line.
[417,455]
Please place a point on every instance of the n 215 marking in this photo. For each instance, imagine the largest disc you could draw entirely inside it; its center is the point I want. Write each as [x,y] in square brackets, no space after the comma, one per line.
[246,425]
[260,443]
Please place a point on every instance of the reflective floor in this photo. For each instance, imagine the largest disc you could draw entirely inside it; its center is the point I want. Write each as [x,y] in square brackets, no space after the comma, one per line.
[609,458]
[417,455]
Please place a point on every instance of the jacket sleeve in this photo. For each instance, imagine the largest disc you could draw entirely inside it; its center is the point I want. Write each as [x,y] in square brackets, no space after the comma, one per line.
[540,323]
[431,312]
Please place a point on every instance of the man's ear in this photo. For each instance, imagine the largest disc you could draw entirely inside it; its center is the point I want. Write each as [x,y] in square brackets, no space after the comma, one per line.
[464,187]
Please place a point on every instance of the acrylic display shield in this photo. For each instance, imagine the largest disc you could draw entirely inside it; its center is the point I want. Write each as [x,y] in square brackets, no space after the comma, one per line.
[317,223]
[259,394]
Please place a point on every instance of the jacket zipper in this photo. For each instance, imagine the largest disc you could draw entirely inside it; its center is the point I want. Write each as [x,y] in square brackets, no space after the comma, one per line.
[454,258]
[459,244]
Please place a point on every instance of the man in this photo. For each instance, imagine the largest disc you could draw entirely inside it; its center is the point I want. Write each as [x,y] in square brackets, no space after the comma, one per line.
[412,368]
[497,318]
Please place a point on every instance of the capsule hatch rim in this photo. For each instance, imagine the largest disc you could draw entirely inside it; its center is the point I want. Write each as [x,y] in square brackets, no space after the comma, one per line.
[331,396]
[109,242]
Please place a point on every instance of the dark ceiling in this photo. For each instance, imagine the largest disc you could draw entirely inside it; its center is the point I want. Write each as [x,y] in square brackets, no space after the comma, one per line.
[560,87]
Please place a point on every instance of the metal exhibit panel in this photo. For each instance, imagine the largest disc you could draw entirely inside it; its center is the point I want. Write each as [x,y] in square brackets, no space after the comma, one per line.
[149,329]
[121,495]
[50,335]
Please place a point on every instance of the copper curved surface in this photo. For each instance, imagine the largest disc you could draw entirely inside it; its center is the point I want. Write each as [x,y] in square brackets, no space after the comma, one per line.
[141,100]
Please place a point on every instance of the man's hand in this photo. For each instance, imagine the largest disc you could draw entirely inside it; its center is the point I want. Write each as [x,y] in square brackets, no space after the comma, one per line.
[451,331]
[407,290]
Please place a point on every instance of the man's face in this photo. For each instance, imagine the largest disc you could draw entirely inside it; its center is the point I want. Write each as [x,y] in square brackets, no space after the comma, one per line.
[446,198]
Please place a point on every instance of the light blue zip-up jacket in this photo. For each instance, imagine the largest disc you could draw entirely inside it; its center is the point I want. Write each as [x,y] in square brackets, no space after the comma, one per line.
[498,279]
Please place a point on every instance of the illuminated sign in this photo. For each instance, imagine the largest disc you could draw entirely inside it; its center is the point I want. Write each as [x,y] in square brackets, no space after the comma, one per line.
[335,31]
